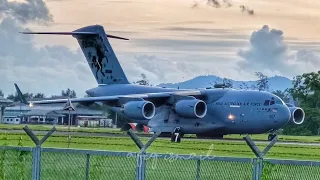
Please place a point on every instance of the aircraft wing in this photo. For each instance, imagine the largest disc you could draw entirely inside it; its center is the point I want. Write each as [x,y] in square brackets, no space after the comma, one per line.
[118,97]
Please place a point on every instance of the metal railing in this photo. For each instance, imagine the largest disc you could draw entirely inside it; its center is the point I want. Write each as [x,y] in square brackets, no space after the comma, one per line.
[53,163]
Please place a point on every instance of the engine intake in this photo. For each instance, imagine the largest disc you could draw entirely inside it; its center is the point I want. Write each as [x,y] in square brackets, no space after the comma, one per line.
[191,108]
[297,115]
[140,110]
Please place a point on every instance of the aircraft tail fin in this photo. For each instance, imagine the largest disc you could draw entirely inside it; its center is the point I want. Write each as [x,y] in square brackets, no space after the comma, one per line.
[98,52]
[291,100]
[20,95]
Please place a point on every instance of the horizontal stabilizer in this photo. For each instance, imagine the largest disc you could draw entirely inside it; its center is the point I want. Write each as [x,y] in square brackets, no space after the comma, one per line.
[75,33]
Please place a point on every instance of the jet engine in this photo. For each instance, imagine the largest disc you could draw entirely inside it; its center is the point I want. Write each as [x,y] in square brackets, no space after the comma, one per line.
[297,115]
[142,110]
[191,108]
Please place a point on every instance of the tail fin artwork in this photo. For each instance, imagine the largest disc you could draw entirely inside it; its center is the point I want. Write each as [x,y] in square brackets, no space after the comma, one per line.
[98,51]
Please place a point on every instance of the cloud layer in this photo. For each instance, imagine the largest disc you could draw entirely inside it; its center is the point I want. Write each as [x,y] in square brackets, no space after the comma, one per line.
[29,11]
[269,53]
[179,53]
[48,69]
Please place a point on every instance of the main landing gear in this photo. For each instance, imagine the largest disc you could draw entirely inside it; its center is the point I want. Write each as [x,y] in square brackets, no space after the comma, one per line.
[271,137]
[176,135]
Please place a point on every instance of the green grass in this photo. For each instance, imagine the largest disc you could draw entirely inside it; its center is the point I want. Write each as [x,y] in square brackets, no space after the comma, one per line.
[61,128]
[17,165]
[163,145]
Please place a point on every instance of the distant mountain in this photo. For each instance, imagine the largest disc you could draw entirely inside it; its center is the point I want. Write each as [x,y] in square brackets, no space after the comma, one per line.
[275,83]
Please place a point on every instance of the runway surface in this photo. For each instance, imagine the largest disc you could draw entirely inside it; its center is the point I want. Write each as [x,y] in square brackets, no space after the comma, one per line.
[149,135]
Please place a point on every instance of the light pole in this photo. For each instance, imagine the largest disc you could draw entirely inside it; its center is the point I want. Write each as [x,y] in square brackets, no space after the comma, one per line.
[116,119]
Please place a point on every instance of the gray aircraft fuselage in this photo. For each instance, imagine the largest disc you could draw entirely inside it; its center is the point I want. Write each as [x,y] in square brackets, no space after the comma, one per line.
[229,111]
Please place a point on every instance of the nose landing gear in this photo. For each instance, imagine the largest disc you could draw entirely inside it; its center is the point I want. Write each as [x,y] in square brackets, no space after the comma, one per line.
[271,137]
[176,135]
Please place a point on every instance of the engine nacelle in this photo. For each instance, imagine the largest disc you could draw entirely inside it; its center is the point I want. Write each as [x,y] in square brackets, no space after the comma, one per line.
[141,110]
[191,108]
[297,115]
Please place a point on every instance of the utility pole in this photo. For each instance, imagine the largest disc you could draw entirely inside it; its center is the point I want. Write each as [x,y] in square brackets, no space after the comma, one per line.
[68,106]
[2,113]
[116,119]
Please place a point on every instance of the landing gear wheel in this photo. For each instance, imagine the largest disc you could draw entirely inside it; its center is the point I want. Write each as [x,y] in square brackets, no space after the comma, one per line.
[271,137]
[176,135]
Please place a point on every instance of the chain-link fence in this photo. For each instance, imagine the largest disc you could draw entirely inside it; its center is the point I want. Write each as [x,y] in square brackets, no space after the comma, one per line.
[20,163]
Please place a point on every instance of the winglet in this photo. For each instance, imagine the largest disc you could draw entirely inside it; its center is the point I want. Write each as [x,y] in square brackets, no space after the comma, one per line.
[21,97]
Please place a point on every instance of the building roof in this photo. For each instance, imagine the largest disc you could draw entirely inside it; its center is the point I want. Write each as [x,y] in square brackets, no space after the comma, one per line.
[4,100]
[28,108]
[43,112]
[81,111]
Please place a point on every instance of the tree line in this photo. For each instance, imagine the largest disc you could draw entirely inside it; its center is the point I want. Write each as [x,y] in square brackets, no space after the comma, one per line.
[29,96]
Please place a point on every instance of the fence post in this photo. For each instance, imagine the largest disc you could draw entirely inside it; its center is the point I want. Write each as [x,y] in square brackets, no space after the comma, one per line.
[141,156]
[258,162]
[198,170]
[87,166]
[36,155]
[254,168]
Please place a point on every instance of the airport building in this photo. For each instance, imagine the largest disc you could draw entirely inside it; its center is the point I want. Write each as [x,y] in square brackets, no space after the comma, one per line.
[22,114]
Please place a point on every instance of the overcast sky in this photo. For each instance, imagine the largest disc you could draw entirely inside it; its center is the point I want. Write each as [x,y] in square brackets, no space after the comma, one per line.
[169,40]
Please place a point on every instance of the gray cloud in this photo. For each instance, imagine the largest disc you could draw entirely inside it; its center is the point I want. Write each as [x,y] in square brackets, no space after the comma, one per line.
[29,11]
[268,52]
[191,53]
[47,69]
[170,67]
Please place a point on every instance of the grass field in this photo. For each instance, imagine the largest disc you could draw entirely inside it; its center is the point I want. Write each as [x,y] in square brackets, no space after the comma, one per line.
[18,165]
[163,145]
[61,128]
[15,165]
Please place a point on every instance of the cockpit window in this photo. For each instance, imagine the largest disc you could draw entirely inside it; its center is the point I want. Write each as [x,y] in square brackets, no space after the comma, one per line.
[272,101]
[278,101]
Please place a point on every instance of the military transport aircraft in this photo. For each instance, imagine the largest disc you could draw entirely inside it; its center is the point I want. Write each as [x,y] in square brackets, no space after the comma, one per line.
[206,112]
